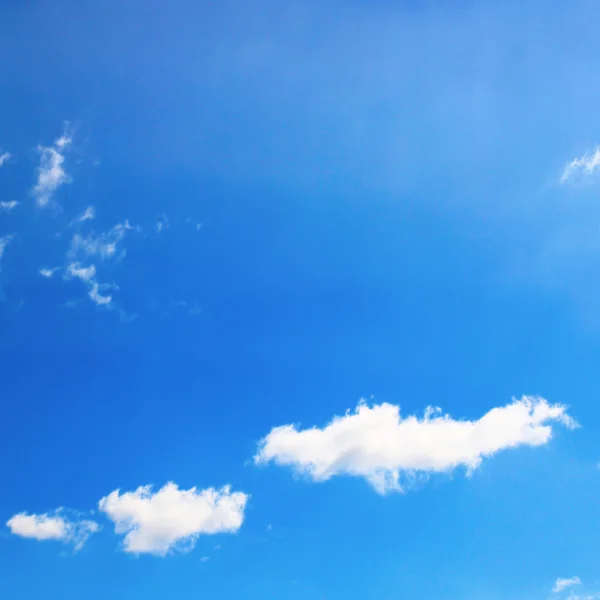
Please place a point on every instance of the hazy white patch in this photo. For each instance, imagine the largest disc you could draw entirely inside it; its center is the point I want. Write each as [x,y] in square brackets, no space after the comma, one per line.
[87,215]
[47,272]
[4,242]
[162,223]
[76,270]
[103,244]
[376,443]
[54,526]
[4,157]
[582,166]
[564,583]
[8,206]
[97,297]
[172,519]
[51,173]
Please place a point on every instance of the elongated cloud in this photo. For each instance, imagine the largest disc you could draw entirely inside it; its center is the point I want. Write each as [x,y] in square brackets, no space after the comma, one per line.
[52,527]
[50,172]
[562,584]
[4,242]
[4,157]
[582,166]
[172,519]
[8,206]
[378,444]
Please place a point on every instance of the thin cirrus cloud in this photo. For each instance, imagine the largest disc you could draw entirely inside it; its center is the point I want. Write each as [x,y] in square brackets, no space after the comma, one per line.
[51,174]
[103,245]
[564,583]
[381,446]
[5,240]
[5,156]
[172,519]
[8,206]
[582,166]
[53,526]
[88,215]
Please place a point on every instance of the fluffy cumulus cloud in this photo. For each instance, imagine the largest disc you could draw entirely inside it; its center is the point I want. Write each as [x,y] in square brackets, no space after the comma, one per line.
[54,526]
[564,583]
[172,519]
[51,174]
[377,443]
[582,166]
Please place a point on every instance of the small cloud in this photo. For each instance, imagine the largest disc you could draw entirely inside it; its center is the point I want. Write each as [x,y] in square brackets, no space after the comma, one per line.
[50,172]
[4,242]
[582,166]
[87,215]
[199,226]
[47,272]
[97,297]
[204,559]
[562,584]
[269,527]
[52,526]
[8,206]
[162,223]
[4,157]
[172,519]
[75,270]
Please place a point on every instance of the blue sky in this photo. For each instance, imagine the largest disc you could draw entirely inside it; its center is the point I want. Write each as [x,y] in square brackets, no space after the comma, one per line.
[245,247]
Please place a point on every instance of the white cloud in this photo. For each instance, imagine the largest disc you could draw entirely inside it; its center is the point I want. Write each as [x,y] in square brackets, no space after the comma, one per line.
[77,271]
[96,296]
[562,584]
[162,223]
[88,214]
[8,206]
[4,242]
[51,173]
[172,519]
[52,527]
[582,166]
[378,444]
[103,244]
[4,157]
[47,272]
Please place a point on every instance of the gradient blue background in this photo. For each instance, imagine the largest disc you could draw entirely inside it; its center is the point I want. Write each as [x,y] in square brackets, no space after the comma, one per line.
[378,185]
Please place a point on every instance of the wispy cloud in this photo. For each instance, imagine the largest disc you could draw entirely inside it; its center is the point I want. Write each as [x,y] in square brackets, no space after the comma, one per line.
[8,206]
[48,272]
[162,223]
[88,214]
[172,519]
[102,244]
[4,157]
[52,526]
[96,296]
[378,444]
[564,583]
[4,242]
[76,270]
[87,274]
[50,172]
[582,166]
